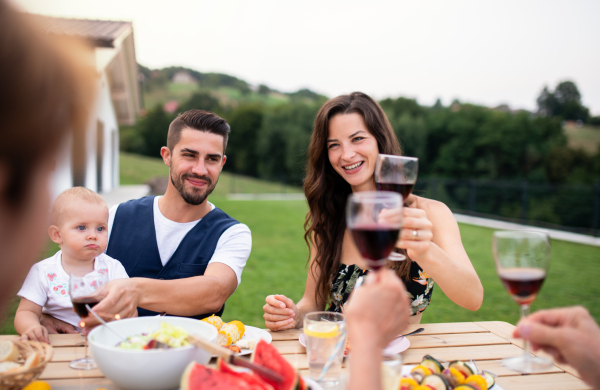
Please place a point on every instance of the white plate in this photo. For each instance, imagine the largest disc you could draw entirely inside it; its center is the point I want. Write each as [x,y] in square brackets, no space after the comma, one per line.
[252,332]
[406,372]
[396,346]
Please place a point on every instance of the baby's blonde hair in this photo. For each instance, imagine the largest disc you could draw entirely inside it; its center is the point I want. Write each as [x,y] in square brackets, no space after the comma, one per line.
[63,201]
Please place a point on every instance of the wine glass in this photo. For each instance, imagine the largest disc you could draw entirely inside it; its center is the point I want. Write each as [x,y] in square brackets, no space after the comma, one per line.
[522,261]
[397,174]
[81,288]
[374,219]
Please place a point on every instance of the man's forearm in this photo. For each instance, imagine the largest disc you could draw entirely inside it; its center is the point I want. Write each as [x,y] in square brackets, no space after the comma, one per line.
[182,297]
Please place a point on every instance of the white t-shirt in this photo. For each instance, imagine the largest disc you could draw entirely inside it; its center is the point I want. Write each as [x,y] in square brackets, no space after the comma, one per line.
[47,285]
[233,247]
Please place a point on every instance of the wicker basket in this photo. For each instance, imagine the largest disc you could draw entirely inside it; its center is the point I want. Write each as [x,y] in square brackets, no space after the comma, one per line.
[21,379]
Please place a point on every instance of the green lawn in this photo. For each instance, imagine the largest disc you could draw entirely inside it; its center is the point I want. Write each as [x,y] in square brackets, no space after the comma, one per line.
[278,259]
[585,137]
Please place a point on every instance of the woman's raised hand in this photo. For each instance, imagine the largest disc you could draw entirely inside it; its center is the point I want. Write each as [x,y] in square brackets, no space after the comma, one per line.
[280,313]
[416,233]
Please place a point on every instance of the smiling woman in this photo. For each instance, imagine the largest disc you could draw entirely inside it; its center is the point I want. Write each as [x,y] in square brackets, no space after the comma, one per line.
[350,132]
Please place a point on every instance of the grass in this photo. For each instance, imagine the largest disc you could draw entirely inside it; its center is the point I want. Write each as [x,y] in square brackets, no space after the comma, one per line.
[178,92]
[277,262]
[586,137]
[137,169]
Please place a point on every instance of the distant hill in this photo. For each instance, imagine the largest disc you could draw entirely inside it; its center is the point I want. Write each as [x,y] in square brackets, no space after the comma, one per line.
[179,84]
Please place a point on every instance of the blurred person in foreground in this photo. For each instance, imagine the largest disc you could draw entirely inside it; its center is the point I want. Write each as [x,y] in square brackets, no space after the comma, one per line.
[378,312]
[570,335]
[46,91]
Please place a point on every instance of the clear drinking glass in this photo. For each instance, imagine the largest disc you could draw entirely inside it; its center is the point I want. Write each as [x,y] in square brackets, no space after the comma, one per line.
[522,261]
[374,219]
[80,288]
[396,174]
[325,335]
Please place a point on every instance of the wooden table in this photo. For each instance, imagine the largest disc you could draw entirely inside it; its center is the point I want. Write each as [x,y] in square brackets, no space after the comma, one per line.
[486,342]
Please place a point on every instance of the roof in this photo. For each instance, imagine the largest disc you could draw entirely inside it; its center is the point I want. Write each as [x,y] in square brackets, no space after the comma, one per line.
[101,33]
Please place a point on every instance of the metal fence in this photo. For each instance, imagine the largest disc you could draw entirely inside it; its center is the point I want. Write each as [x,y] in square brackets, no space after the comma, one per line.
[573,207]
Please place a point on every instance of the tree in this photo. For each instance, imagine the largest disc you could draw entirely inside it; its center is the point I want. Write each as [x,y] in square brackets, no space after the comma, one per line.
[564,102]
[245,122]
[153,129]
[202,101]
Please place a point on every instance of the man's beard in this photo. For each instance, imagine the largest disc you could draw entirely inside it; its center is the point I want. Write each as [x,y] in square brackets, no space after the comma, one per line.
[193,197]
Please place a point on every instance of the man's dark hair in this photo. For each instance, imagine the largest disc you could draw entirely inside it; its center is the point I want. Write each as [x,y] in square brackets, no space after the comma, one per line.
[200,120]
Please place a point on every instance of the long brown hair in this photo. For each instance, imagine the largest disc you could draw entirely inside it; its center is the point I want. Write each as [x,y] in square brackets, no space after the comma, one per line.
[327,192]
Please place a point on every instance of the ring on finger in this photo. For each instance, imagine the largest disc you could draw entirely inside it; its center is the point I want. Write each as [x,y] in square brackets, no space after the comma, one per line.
[416,233]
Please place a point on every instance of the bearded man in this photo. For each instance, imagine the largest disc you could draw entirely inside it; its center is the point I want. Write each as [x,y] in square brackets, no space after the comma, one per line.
[184,256]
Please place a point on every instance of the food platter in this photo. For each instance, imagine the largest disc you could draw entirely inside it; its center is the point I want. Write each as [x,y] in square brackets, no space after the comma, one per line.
[396,346]
[252,332]
[408,367]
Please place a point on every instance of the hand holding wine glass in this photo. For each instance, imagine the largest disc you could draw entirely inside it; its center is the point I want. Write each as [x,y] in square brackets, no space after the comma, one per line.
[375,220]
[81,289]
[397,174]
[522,262]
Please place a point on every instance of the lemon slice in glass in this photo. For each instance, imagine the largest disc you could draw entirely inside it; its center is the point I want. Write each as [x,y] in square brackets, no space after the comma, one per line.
[322,330]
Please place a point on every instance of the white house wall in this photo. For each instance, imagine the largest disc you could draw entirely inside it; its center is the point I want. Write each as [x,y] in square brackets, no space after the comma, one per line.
[106,114]
[62,176]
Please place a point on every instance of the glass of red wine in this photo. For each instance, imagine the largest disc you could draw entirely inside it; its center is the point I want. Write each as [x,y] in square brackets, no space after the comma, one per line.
[522,261]
[397,174]
[81,289]
[374,219]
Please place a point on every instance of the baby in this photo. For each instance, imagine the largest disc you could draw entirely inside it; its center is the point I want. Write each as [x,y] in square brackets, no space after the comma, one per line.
[79,226]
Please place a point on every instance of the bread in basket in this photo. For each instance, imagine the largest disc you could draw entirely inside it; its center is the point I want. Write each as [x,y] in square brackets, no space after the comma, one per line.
[31,366]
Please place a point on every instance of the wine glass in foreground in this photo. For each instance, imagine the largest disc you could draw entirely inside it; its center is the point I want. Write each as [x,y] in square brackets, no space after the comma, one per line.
[522,261]
[374,219]
[397,174]
[81,287]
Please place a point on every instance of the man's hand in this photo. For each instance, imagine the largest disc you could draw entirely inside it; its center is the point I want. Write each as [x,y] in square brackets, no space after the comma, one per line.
[118,299]
[56,326]
[570,335]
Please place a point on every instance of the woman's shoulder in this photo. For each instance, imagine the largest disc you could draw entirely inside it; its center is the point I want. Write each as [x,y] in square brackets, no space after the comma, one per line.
[428,204]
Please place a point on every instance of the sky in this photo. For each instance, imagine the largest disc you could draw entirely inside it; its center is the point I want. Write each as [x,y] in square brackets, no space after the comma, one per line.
[486,52]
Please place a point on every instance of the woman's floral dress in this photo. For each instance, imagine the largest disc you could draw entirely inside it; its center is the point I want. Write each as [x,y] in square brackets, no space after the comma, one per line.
[419,287]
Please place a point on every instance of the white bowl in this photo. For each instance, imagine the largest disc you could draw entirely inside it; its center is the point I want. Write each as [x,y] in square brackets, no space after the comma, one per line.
[157,369]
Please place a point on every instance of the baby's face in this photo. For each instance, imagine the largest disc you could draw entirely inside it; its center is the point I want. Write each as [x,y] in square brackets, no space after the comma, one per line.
[83,230]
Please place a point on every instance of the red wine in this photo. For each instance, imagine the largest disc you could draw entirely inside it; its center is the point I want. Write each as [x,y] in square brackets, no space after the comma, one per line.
[523,283]
[403,189]
[375,242]
[79,305]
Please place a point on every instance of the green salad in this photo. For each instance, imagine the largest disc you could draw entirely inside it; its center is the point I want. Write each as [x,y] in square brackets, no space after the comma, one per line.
[173,336]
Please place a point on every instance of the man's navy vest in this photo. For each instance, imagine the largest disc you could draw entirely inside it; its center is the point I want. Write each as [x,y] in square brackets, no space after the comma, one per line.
[133,243]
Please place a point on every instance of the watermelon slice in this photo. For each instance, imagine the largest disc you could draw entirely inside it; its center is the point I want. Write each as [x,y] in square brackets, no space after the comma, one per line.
[267,356]
[253,380]
[199,377]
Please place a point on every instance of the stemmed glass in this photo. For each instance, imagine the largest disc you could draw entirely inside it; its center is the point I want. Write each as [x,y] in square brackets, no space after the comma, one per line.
[81,287]
[374,219]
[397,174]
[522,261]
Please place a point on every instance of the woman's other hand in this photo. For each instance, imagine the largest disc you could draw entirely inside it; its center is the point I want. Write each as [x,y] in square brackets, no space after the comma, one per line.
[281,313]
[416,234]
